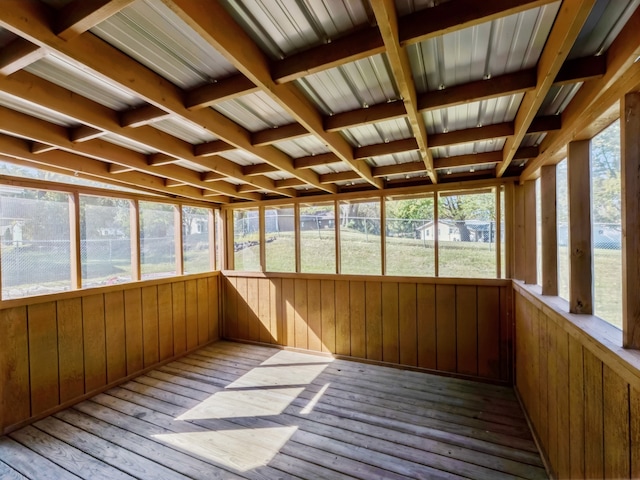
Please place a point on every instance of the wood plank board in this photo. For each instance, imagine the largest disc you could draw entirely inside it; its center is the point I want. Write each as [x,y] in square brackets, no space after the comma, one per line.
[426,316]
[43,356]
[615,411]
[343,328]
[576,406]
[14,360]
[467,329]
[327,292]
[488,332]
[593,425]
[150,328]
[186,420]
[314,315]
[407,322]
[446,327]
[133,330]
[115,336]
[179,319]
[390,350]
[191,312]
[253,306]
[165,321]
[203,310]
[357,324]
[300,304]
[373,302]
[70,351]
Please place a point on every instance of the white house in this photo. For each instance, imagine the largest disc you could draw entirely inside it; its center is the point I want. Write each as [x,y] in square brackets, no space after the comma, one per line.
[447,231]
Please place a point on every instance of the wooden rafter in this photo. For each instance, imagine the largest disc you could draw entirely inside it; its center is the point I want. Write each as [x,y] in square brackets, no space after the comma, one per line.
[19,54]
[145,115]
[100,118]
[106,62]
[431,22]
[21,125]
[595,104]
[71,163]
[79,16]
[214,24]
[565,30]
[386,17]
[220,91]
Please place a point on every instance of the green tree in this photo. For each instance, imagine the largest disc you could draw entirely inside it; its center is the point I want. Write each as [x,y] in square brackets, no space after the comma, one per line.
[605,175]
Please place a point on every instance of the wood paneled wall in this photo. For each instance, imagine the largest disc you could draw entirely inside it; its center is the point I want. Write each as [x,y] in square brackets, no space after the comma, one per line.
[62,348]
[457,326]
[582,395]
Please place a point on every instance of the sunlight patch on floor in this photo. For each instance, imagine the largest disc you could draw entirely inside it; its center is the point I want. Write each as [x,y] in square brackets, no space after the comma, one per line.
[243,403]
[229,447]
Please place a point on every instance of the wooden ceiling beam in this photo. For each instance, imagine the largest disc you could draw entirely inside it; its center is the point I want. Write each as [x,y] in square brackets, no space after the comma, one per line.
[117,169]
[84,133]
[259,169]
[339,177]
[366,42]
[34,89]
[581,70]
[385,13]
[160,159]
[72,163]
[315,160]
[468,160]
[596,104]
[378,149]
[362,116]
[508,84]
[107,62]
[547,123]
[173,183]
[213,23]
[222,90]
[565,30]
[457,15]
[79,16]
[144,115]
[278,134]
[289,183]
[211,177]
[18,54]
[525,153]
[211,148]
[37,147]
[399,169]
[25,126]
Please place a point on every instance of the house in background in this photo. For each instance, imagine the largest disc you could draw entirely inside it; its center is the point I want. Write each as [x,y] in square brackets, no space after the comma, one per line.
[447,231]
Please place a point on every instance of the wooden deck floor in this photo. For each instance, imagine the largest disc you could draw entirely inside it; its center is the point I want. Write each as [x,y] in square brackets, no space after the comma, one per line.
[243,411]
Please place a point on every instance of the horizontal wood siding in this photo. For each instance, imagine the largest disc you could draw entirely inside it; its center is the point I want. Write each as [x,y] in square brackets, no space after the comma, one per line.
[425,323]
[584,405]
[57,351]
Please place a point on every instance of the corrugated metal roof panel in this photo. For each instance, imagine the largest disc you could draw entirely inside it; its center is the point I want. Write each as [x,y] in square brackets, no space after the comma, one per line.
[125,142]
[184,130]
[604,23]
[380,132]
[191,166]
[37,111]
[241,157]
[302,147]
[469,148]
[255,112]
[405,7]
[282,27]
[62,73]
[558,98]
[473,114]
[279,175]
[396,158]
[355,85]
[501,46]
[155,36]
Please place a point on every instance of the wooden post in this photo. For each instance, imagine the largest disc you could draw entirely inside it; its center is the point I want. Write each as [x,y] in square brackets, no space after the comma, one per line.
[436,244]
[134,223]
[509,229]
[229,242]
[296,226]
[178,240]
[262,235]
[630,178]
[549,231]
[213,241]
[580,263]
[519,253]
[76,241]
[530,225]
[383,235]
[498,234]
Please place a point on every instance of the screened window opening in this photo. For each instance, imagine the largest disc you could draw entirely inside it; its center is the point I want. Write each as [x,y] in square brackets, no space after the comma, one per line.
[246,240]
[196,251]
[105,240]
[467,235]
[318,238]
[36,246]
[280,239]
[606,228]
[410,234]
[360,240]
[157,240]
[562,219]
